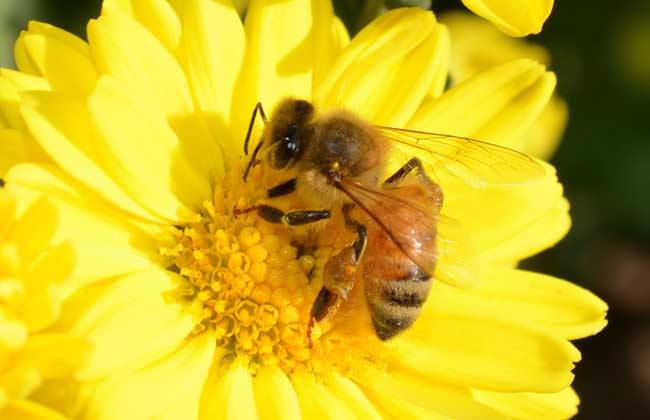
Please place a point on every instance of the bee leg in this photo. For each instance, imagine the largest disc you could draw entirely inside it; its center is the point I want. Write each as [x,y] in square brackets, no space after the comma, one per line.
[284,188]
[362,234]
[323,304]
[340,270]
[407,168]
[326,302]
[292,218]
[339,273]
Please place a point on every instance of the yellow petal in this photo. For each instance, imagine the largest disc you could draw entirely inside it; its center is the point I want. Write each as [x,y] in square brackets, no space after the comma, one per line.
[281,53]
[54,355]
[349,393]
[165,387]
[566,309]
[512,222]
[497,105]
[155,81]
[105,244]
[541,233]
[28,410]
[496,355]
[63,128]
[63,59]
[70,402]
[516,18]
[117,6]
[125,50]
[157,16]
[12,85]
[340,35]
[470,34]
[12,149]
[43,281]
[17,145]
[9,104]
[7,211]
[142,154]
[127,320]
[387,68]
[275,397]
[405,395]
[441,65]
[518,117]
[527,405]
[33,232]
[228,395]
[544,135]
[22,59]
[65,37]
[316,400]
[422,72]
[211,52]
[400,409]
[23,81]
[13,335]
[326,40]
[477,349]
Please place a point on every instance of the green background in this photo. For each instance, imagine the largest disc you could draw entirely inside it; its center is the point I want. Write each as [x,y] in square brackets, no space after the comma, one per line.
[601,54]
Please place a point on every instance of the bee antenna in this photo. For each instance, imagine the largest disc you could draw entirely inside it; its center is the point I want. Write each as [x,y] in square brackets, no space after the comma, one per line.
[259,108]
[253,161]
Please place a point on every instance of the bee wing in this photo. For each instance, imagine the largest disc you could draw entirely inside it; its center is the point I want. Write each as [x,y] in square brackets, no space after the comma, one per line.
[451,260]
[457,260]
[475,162]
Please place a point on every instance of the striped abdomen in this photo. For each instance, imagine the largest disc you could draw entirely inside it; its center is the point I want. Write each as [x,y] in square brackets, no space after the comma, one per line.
[395,287]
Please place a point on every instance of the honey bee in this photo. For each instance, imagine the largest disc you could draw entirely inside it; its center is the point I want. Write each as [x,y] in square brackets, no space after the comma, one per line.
[338,162]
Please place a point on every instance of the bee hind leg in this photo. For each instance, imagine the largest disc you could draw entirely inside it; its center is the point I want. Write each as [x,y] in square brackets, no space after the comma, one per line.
[339,274]
[326,303]
[341,269]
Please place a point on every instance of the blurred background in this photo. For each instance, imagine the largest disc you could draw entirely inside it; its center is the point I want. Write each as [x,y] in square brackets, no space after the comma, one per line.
[600,50]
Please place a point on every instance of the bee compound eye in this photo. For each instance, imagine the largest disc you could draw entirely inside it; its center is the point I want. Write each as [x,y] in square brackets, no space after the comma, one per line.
[289,147]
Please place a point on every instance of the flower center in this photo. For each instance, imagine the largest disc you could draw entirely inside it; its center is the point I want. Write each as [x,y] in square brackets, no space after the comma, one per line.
[252,281]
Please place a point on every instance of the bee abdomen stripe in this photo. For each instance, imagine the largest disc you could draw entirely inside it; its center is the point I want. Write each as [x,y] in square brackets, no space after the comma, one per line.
[390,319]
[407,293]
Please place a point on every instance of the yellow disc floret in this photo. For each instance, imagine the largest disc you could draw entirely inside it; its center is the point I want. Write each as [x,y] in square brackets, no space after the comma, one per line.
[253,283]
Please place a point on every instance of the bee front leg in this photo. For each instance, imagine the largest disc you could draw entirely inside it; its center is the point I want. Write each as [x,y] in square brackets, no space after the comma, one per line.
[284,188]
[292,218]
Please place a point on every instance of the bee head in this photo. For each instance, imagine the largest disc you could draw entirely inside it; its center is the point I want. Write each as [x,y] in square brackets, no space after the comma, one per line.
[288,131]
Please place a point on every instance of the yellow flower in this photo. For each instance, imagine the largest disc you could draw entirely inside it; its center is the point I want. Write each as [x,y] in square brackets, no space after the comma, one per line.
[193,313]
[33,268]
[469,56]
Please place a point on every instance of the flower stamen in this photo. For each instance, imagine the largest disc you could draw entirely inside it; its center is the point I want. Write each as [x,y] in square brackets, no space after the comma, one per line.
[252,283]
